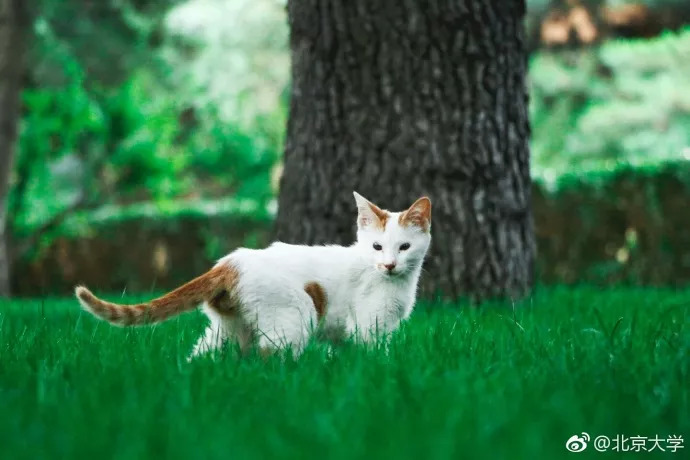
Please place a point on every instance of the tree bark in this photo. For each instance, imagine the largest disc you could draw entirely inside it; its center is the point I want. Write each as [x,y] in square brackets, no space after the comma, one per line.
[402,98]
[12,41]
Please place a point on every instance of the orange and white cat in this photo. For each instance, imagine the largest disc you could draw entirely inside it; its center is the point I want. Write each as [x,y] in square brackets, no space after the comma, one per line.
[276,296]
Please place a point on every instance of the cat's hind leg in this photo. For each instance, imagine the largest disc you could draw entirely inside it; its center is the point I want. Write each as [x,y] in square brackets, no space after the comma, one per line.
[216,334]
[289,323]
[211,340]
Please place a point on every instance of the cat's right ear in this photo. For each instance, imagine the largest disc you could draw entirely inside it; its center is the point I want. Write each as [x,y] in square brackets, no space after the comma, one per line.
[368,213]
[419,214]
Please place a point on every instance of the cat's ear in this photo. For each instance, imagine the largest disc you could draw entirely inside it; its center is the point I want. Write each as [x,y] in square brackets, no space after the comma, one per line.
[368,213]
[419,214]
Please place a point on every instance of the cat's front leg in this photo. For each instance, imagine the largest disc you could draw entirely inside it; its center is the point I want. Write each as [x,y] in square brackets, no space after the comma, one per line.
[369,328]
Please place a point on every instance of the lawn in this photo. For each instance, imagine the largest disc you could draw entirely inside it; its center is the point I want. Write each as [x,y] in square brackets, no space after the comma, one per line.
[457,382]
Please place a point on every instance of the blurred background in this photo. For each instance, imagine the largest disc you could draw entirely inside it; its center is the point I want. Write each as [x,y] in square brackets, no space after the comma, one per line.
[151,136]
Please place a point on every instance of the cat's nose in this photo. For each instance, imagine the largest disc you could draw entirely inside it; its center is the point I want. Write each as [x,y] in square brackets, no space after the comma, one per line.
[390,266]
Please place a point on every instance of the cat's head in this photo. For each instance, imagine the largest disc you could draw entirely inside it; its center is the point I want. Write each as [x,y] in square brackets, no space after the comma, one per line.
[395,242]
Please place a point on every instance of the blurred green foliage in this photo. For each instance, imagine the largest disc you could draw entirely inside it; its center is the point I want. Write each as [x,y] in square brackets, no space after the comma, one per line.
[133,127]
[534,6]
[623,102]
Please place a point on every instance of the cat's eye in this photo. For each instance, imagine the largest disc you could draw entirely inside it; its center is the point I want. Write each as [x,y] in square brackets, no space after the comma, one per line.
[377,246]
[405,246]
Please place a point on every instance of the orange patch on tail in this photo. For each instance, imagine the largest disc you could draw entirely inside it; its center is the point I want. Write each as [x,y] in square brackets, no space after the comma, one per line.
[205,288]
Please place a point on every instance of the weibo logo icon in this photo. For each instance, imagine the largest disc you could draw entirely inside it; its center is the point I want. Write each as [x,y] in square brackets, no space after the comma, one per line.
[577,443]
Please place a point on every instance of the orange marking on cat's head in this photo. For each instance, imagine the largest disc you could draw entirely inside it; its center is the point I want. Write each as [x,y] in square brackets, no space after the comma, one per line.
[370,214]
[419,214]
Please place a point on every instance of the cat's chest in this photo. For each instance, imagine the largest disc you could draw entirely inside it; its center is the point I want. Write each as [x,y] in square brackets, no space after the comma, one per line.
[388,299]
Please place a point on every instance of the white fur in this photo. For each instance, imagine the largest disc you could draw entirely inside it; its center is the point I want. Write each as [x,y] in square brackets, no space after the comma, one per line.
[363,299]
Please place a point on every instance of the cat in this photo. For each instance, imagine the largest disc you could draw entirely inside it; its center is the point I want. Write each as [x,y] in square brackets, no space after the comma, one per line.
[274,297]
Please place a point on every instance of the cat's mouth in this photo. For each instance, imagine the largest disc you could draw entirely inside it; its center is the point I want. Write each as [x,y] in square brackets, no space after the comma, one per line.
[390,272]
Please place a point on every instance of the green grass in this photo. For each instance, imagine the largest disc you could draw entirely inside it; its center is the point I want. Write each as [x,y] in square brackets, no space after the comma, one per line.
[456,383]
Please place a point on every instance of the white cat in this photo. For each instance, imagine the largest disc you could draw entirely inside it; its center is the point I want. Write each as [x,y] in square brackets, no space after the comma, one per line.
[276,296]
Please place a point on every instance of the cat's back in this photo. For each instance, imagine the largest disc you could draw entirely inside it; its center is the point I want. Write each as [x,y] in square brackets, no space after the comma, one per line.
[279,249]
[305,258]
[292,260]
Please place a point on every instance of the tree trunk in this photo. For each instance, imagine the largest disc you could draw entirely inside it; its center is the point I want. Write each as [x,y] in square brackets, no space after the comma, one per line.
[12,41]
[400,98]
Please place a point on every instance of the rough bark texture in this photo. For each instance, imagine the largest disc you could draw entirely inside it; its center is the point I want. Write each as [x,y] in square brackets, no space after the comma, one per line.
[12,26]
[400,98]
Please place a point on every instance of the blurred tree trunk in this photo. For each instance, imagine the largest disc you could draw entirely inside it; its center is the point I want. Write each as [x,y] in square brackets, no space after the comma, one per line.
[396,99]
[13,26]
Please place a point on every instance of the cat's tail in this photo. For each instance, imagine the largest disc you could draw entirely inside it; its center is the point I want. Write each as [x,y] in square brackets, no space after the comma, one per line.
[216,282]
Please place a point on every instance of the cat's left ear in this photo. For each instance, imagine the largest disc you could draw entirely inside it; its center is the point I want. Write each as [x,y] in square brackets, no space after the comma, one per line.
[369,213]
[419,214]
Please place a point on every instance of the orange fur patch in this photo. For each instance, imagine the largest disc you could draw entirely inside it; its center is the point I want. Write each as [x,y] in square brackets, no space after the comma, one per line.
[419,214]
[209,287]
[225,303]
[318,296]
[381,215]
